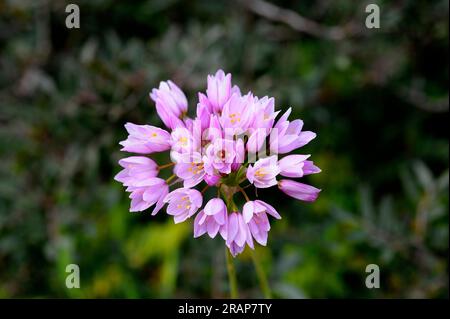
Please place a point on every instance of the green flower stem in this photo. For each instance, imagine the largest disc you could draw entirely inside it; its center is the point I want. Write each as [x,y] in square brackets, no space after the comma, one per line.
[234,294]
[227,193]
[263,282]
[244,193]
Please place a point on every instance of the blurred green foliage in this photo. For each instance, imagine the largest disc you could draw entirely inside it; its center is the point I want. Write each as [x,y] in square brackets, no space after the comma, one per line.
[378,100]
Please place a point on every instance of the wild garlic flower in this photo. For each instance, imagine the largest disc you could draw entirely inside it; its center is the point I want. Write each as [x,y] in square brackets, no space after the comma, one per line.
[233,140]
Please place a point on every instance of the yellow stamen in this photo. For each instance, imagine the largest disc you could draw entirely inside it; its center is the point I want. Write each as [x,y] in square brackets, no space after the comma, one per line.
[260,173]
[183,140]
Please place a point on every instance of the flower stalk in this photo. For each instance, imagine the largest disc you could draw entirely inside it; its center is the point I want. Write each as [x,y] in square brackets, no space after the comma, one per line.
[232,280]
[262,278]
[160,167]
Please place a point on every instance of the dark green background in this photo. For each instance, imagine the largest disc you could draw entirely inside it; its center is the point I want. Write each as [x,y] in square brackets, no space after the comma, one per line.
[378,100]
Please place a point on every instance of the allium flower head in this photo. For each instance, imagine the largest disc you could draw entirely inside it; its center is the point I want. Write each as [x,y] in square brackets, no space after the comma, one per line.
[223,146]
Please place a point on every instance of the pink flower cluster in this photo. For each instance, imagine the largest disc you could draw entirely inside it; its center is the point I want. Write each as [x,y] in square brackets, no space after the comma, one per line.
[233,139]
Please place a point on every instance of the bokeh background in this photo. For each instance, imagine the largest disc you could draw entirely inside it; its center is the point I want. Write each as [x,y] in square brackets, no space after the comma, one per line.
[377,98]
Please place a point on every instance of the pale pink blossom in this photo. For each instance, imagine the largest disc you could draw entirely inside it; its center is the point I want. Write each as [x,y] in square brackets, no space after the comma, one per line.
[292,165]
[237,234]
[265,114]
[237,114]
[182,140]
[264,172]
[288,136]
[147,193]
[170,102]
[214,131]
[204,111]
[240,155]
[298,190]
[219,90]
[136,168]
[145,139]
[219,156]
[212,180]
[183,203]
[310,168]
[190,169]
[211,219]
[255,215]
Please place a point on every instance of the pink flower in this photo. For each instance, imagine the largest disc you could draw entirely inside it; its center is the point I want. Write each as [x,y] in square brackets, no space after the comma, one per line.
[214,131]
[183,203]
[297,166]
[292,165]
[310,168]
[135,169]
[219,90]
[182,141]
[254,213]
[256,207]
[237,114]
[146,193]
[288,136]
[298,190]
[219,156]
[205,102]
[240,155]
[170,95]
[263,173]
[257,140]
[265,114]
[204,111]
[212,180]
[145,139]
[171,103]
[237,234]
[190,169]
[262,123]
[211,219]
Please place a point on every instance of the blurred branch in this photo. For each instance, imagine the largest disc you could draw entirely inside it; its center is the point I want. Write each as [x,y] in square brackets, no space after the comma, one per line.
[298,22]
[419,99]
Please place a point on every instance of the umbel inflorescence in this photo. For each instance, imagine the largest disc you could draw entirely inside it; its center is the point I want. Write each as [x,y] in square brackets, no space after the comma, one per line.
[233,140]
